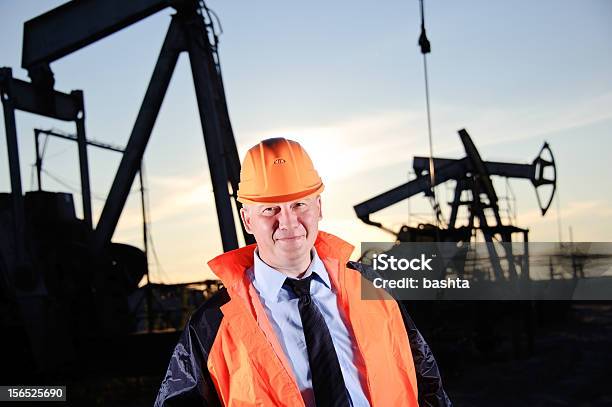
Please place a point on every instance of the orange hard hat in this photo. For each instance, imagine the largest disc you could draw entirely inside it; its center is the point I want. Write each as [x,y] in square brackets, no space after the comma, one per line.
[277,170]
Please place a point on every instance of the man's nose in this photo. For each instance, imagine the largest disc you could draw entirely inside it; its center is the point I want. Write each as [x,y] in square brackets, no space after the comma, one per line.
[287,220]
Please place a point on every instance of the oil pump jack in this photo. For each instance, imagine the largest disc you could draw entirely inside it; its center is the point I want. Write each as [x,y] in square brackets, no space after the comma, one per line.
[474,190]
[63,281]
[472,177]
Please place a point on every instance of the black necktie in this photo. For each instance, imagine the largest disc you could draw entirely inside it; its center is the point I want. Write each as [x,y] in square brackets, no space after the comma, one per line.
[327,381]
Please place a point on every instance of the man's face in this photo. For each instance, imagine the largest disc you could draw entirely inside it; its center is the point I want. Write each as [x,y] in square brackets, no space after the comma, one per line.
[285,232]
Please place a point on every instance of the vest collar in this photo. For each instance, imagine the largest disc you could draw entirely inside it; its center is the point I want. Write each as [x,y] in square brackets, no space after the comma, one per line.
[231,267]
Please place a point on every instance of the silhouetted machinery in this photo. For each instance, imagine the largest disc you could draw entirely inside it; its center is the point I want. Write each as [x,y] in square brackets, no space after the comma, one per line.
[451,325]
[63,283]
[474,190]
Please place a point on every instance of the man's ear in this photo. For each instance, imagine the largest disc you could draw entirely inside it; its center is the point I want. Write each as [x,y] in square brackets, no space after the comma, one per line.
[320,207]
[245,216]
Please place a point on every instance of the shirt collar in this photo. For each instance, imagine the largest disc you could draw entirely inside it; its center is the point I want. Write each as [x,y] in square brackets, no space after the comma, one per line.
[270,281]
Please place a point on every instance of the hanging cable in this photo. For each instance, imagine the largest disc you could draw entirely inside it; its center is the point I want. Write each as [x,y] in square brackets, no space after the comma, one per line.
[162,276]
[426,49]
[211,26]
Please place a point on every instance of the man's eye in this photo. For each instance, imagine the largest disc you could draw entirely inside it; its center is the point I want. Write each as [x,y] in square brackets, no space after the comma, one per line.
[268,211]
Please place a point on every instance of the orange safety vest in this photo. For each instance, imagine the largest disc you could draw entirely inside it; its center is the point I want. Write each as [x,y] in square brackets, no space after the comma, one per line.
[230,348]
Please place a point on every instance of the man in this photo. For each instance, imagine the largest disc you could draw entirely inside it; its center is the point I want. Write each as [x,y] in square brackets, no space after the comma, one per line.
[290,327]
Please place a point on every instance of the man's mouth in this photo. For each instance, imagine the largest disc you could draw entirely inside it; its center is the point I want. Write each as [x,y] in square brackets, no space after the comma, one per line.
[289,238]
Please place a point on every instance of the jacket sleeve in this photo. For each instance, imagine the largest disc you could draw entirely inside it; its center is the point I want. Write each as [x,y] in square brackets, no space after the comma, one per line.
[429,381]
[187,381]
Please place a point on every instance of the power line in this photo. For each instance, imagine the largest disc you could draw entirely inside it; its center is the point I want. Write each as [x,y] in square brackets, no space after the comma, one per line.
[70,187]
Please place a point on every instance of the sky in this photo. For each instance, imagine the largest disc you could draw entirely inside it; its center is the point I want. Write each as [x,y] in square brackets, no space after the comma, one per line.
[345,79]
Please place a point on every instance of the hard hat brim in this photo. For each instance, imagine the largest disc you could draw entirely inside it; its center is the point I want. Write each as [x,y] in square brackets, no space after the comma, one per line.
[281,198]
